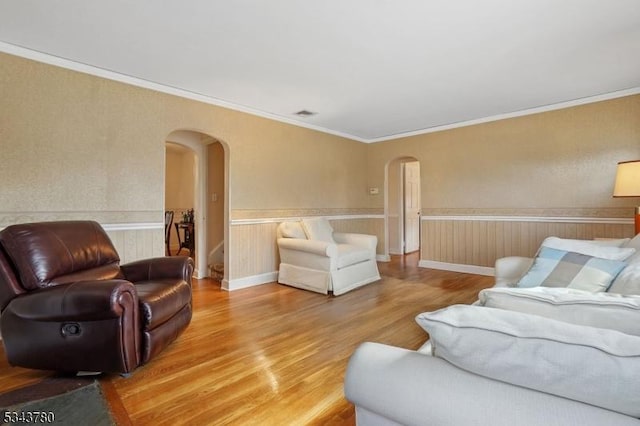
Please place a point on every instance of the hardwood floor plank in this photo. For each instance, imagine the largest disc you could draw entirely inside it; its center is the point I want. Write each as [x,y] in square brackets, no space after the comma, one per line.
[275,355]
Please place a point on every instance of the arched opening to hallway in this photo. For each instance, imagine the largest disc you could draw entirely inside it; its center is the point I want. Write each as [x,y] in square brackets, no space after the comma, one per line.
[209,187]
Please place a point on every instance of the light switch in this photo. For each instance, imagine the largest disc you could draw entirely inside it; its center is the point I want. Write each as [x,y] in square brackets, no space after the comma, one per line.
[214,197]
[373,191]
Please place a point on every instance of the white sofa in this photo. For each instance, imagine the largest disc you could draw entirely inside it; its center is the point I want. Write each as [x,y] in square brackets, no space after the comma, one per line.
[313,257]
[519,356]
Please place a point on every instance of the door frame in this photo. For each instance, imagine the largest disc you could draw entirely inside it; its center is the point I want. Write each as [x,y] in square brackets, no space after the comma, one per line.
[193,139]
[402,159]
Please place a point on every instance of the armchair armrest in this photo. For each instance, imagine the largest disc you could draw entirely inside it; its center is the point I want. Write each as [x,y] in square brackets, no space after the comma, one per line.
[78,301]
[321,248]
[508,270]
[362,240]
[158,268]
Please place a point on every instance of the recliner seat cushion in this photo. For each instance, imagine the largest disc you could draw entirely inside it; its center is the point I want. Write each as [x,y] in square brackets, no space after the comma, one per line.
[161,299]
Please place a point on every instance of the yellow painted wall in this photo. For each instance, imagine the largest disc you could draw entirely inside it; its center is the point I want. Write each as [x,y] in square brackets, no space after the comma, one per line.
[540,163]
[79,146]
[64,129]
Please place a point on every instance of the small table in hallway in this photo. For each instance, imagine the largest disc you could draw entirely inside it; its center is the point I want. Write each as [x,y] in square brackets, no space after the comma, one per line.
[187,241]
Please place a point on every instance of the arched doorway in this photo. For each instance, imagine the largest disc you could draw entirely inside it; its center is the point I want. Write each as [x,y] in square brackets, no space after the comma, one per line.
[402,206]
[179,195]
[210,195]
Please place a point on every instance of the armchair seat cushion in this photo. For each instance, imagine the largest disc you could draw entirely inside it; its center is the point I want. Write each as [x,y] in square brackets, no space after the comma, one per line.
[350,255]
[161,299]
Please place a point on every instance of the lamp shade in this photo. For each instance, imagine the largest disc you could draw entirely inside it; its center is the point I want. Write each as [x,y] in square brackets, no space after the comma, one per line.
[627,179]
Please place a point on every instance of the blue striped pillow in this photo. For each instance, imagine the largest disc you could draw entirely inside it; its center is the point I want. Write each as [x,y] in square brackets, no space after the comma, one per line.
[559,268]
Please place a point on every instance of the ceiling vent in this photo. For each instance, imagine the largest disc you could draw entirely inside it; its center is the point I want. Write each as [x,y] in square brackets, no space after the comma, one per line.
[305,113]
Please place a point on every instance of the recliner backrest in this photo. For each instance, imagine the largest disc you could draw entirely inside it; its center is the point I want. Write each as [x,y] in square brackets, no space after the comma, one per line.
[9,285]
[51,253]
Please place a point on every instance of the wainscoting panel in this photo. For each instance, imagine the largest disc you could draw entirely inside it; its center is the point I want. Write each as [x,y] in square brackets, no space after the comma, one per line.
[135,234]
[481,242]
[252,249]
[369,225]
[136,244]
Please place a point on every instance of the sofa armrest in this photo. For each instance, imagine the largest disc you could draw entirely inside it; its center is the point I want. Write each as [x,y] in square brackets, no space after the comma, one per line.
[78,301]
[361,240]
[158,268]
[509,270]
[321,248]
[412,388]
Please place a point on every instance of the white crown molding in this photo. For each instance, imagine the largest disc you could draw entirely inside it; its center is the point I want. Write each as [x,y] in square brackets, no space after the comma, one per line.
[134,81]
[146,84]
[529,111]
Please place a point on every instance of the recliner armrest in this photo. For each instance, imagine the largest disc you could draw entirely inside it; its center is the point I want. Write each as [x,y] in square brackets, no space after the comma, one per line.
[361,240]
[79,326]
[78,301]
[158,268]
[321,248]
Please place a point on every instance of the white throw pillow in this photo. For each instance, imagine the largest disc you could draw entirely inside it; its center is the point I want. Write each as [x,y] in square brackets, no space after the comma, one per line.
[628,280]
[603,310]
[633,243]
[593,365]
[604,249]
[292,230]
[318,229]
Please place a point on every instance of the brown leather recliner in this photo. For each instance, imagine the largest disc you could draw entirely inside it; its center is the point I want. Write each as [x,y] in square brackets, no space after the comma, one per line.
[68,305]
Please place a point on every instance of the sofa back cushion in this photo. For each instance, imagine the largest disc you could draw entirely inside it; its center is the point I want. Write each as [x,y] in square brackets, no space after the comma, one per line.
[602,310]
[592,365]
[590,247]
[50,253]
[318,229]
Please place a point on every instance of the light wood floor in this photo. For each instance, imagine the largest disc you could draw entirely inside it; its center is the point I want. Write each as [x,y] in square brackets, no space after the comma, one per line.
[271,354]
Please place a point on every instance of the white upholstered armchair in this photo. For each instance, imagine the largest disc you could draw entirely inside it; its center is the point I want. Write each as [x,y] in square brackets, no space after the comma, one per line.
[313,257]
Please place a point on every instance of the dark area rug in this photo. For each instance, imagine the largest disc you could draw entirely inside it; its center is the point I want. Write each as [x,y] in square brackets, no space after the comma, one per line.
[57,400]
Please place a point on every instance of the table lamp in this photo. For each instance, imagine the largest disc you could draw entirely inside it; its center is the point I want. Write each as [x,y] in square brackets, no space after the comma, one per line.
[628,184]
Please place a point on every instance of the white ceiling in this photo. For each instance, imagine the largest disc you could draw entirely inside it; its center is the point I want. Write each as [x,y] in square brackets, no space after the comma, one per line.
[371,69]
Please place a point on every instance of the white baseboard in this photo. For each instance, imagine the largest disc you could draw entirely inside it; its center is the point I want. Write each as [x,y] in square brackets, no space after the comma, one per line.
[383,258]
[250,281]
[457,267]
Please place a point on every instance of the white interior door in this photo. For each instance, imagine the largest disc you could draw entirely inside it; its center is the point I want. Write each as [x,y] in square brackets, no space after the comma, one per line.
[411,206]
